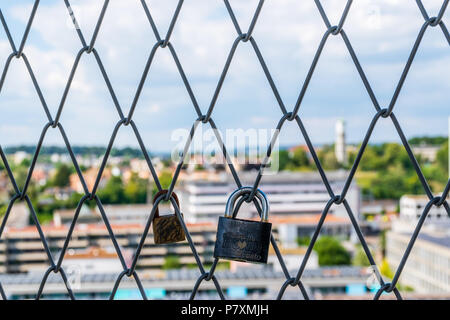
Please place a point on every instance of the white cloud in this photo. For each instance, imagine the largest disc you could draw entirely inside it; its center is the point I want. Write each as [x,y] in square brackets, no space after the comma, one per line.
[288,33]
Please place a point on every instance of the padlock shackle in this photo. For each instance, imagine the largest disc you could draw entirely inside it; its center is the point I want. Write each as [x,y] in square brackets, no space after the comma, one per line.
[242,192]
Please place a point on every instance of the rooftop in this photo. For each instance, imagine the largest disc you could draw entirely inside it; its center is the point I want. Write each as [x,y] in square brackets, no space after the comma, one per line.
[92,227]
[192,274]
[441,240]
[248,177]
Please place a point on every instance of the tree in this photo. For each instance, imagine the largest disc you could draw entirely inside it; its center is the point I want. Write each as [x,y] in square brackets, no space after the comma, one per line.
[62,176]
[442,158]
[26,163]
[386,270]
[395,154]
[300,158]
[303,241]
[165,179]
[20,174]
[171,262]
[136,189]
[283,159]
[394,183]
[331,252]
[330,162]
[370,160]
[427,140]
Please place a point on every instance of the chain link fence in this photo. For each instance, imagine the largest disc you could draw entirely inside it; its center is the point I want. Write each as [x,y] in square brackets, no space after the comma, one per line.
[163,42]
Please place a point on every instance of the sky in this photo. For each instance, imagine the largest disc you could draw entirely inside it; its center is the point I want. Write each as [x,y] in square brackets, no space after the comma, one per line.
[288,33]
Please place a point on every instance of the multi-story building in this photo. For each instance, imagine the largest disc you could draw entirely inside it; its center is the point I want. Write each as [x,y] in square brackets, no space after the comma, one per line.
[252,283]
[412,206]
[116,213]
[90,247]
[289,193]
[428,267]
[21,249]
[411,209]
[297,198]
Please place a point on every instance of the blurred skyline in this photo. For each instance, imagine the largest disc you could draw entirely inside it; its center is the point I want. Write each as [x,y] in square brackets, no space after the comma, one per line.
[288,33]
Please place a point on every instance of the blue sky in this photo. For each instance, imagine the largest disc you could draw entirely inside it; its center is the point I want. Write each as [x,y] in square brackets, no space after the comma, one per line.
[288,33]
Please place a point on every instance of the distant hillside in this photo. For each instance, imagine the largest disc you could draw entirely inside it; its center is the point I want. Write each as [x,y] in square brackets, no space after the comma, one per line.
[78,150]
[435,141]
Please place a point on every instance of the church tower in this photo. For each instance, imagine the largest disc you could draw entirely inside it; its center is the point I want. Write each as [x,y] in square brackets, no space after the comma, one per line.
[339,146]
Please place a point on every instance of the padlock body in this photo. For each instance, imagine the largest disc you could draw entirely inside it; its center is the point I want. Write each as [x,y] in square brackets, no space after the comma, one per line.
[242,240]
[167,229]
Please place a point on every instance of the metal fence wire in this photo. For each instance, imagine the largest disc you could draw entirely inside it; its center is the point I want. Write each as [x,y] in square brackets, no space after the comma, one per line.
[162,42]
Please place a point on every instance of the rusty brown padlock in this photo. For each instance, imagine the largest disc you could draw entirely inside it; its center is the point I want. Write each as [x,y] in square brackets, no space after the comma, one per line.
[167,228]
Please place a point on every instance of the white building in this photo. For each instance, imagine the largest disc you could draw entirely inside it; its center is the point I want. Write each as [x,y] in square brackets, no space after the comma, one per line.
[412,207]
[427,269]
[291,228]
[19,156]
[426,152]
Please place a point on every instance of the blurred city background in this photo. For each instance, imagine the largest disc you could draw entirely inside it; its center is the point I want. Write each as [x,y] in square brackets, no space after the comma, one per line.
[386,197]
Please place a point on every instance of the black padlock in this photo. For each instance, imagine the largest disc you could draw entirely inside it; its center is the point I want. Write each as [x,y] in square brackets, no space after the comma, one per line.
[244,240]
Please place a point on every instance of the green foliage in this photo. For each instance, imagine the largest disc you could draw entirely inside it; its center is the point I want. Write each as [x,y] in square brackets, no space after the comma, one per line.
[283,159]
[199,167]
[394,183]
[62,176]
[303,241]
[43,217]
[73,201]
[171,262]
[20,174]
[381,157]
[442,158]
[427,140]
[298,159]
[223,265]
[136,190]
[3,208]
[327,158]
[331,252]
[165,178]
[386,270]
[330,162]
[78,150]
[113,192]
[166,162]
[405,288]
[360,258]
[394,174]
[26,163]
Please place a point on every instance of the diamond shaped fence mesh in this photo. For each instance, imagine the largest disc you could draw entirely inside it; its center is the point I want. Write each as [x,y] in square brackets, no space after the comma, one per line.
[163,42]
